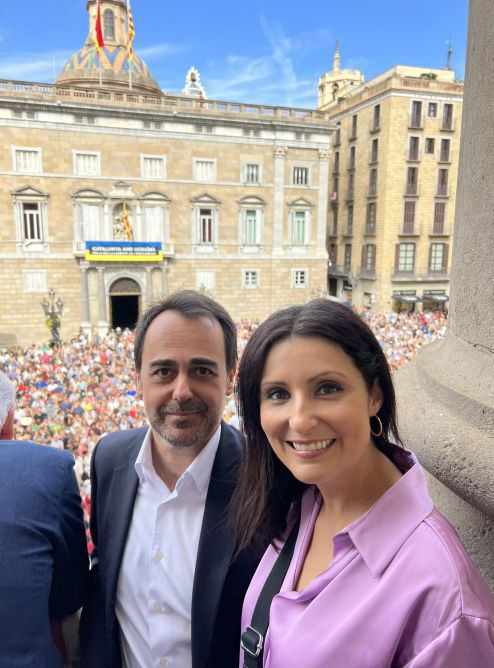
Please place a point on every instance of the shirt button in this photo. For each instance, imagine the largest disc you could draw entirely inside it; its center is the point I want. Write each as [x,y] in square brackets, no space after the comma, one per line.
[157,608]
[163,663]
[159,555]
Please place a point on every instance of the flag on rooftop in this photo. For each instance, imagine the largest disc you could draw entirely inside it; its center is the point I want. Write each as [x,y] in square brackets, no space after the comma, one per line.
[131,33]
[99,42]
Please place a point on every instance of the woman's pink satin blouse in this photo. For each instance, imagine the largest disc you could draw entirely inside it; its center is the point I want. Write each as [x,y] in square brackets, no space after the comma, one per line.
[400,592]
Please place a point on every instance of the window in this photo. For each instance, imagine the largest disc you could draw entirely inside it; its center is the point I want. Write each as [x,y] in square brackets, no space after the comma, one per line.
[35,280]
[444,154]
[447,117]
[337,137]
[374,150]
[334,210]
[31,222]
[353,128]
[204,170]
[405,257]
[89,222]
[206,235]
[416,119]
[412,181]
[152,125]
[205,280]
[349,219]
[27,160]
[334,194]
[370,220]
[429,145]
[438,258]
[351,158]
[251,227]
[409,218]
[109,24]
[153,167]
[413,148]
[351,187]
[373,183]
[153,223]
[333,254]
[376,119]
[439,210]
[369,258]
[86,164]
[300,176]
[299,228]
[250,278]
[252,173]
[347,261]
[442,183]
[336,163]
[300,278]
[432,109]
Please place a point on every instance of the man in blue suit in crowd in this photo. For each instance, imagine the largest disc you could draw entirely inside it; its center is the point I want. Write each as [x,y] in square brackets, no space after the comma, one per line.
[43,553]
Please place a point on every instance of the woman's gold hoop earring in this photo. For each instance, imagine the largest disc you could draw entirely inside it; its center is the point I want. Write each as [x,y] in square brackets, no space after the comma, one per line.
[380,431]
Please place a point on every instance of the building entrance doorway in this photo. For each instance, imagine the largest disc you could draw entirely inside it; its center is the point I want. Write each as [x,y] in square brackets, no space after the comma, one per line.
[124,303]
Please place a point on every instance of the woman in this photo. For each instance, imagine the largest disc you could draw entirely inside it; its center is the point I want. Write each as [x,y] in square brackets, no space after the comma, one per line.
[378,577]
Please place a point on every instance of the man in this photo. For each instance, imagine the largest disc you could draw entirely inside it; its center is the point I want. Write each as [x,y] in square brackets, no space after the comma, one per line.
[164,568]
[43,560]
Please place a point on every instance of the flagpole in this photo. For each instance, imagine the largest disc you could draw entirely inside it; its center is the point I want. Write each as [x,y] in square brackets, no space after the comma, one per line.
[99,60]
[130,52]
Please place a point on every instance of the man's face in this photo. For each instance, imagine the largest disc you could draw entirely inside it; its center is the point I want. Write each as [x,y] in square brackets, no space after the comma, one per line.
[183,379]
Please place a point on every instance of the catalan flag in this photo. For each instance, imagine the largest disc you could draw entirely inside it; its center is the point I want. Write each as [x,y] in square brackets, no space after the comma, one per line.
[127,224]
[99,41]
[131,33]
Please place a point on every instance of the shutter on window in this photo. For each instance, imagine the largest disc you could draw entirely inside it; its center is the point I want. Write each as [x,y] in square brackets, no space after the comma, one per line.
[374,258]
[445,255]
[397,256]
[430,257]
[362,262]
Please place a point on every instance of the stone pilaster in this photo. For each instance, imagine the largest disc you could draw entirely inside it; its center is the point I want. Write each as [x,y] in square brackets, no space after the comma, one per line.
[86,318]
[322,201]
[279,153]
[103,324]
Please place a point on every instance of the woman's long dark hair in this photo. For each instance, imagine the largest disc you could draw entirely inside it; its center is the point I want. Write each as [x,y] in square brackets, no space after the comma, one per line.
[266,488]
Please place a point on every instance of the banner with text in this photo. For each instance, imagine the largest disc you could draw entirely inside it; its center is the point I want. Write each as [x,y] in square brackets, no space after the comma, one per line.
[123,251]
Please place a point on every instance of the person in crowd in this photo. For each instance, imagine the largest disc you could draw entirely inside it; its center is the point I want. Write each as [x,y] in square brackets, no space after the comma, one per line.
[377,577]
[165,587]
[43,560]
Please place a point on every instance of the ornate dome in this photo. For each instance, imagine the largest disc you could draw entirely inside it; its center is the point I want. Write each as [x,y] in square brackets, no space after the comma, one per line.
[84,67]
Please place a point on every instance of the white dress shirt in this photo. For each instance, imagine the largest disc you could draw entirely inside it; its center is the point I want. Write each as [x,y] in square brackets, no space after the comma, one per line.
[154,592]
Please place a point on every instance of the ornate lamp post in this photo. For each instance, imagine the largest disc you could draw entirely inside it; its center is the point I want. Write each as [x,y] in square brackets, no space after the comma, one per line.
[53,309]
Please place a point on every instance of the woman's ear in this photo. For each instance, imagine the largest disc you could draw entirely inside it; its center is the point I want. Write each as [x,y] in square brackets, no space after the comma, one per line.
[375,398]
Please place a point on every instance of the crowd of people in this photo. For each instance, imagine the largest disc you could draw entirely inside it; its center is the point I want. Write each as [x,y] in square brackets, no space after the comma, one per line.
[69,396]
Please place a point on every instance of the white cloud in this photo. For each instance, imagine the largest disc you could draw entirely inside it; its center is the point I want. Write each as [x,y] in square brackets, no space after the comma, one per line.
[163,49]
[33,66]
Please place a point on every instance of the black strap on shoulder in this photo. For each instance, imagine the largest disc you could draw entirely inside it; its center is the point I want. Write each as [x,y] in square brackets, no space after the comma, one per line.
[253,636]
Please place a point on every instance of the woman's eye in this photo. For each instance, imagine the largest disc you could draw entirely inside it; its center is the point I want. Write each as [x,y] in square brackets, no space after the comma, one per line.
[277,394]
[328,388]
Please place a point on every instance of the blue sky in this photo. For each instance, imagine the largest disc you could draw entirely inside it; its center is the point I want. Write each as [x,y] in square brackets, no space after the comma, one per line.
[269,52]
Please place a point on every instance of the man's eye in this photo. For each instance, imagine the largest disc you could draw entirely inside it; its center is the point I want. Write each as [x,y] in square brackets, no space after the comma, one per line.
[163,373]
[203,371]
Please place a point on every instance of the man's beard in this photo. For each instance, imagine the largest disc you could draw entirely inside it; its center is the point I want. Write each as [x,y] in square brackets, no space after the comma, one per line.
[192,411]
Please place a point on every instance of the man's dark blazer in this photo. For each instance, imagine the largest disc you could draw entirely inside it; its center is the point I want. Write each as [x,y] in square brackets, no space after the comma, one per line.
[219,582]
[43,554]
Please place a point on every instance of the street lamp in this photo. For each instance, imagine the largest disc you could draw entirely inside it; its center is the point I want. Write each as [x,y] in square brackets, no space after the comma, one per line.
[53,309]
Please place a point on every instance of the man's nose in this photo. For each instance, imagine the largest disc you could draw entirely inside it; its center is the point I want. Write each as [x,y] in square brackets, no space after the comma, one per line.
[181,387]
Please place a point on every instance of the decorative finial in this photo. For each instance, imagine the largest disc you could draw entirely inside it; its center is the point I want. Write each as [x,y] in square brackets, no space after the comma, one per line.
[336,57]
[450,53]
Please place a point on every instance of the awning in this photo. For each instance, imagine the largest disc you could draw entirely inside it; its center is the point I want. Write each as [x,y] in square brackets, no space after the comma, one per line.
[408,299]
[435,298]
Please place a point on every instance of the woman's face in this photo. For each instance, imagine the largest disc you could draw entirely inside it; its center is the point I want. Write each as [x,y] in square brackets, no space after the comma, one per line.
[315,410]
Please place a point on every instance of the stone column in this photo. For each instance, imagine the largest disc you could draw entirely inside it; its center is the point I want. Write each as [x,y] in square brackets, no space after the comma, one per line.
[86,318]
[446,398]
[149,284]
[322,202]
[164,278]
[279,197]
[103,324]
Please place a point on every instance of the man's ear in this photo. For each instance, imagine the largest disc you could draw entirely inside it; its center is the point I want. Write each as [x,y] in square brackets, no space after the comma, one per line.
[230,382]
[7,432]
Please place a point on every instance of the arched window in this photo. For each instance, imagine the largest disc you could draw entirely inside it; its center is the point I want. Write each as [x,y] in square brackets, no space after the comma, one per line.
[109,24]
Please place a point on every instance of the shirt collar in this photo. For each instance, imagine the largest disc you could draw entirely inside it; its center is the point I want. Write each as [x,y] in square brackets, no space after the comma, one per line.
[382,530]
[199,469]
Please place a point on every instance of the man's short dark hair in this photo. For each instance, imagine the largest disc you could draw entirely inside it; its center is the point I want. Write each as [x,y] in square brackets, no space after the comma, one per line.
[190,304]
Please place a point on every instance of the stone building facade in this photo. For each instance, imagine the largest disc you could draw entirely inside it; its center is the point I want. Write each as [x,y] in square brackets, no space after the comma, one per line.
[393,185]
[115,194]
